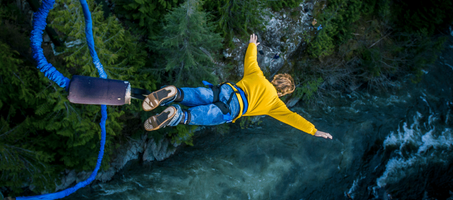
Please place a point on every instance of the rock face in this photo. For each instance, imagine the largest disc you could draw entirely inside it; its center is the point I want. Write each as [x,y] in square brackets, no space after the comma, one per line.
[67,180]
[158,150]
[292,102]
[283,34]
[150,149]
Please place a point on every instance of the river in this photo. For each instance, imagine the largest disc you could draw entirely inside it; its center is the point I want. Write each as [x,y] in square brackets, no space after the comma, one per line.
[386,145]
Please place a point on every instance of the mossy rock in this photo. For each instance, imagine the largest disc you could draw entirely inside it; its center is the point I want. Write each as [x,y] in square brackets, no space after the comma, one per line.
[284,39]
[294,14]
[318,7]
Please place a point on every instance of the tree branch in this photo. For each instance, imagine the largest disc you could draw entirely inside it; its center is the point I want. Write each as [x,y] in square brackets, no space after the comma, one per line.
[180,72]
[8,131]
[379,40]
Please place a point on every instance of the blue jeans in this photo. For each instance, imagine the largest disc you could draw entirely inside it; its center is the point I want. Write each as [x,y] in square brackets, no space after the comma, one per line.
[203,111]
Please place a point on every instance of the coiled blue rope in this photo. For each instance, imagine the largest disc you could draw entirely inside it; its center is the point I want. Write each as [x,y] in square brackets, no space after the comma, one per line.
[39,23]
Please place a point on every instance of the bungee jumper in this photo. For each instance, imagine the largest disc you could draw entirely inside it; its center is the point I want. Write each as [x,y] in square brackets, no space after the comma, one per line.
[224,103]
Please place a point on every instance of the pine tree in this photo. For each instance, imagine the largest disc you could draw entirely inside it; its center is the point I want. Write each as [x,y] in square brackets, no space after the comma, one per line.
[20,159]
[426,17]
[236,17]
[240,17]
[338,22]
[276,5]
[188,44]
[145,15]
[116,48]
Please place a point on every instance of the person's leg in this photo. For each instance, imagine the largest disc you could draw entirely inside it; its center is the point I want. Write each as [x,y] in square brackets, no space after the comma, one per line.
[186,96]
[204,96]
[196,96]
[173,115]
[206,115]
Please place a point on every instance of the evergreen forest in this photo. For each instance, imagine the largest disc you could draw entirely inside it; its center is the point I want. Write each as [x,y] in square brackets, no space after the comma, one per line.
[365,44]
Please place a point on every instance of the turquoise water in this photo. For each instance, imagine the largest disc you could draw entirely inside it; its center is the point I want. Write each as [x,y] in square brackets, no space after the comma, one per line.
[385,145]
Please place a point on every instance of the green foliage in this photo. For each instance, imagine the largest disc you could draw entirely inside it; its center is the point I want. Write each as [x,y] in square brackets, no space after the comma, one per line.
[188,44]
[236,17]
[11,28]
[182,133]
[336,20]
[308,89]
[339,23]
[422,16]
[277,5]
[323,44]
[21,160]
[116,48]
[371,58]
[145,15]
[222,129]
[247,122]
[424,53]
[359,43]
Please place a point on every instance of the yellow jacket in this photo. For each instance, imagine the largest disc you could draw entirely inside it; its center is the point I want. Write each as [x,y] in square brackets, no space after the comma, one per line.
[262,96]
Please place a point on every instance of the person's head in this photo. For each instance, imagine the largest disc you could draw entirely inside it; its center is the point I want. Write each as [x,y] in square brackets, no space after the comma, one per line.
[284,84]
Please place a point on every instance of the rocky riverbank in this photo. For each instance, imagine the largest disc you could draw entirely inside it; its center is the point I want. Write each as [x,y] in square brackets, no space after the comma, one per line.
[144,148]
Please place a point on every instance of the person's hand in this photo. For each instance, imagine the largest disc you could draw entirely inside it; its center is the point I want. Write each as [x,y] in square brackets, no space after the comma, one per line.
[323,134]
[254,39]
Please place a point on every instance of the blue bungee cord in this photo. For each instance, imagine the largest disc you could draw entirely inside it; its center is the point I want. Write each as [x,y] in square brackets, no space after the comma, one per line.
[39,24]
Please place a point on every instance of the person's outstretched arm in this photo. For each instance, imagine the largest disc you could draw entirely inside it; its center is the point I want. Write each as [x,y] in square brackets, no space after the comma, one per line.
[283,114]
[250,61]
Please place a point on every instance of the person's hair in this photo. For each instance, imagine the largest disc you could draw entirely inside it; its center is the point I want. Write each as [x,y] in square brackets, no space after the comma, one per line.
[284,84]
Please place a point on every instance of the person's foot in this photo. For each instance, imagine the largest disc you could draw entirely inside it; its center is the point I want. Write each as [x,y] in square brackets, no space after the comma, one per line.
[156,98]
[161,120]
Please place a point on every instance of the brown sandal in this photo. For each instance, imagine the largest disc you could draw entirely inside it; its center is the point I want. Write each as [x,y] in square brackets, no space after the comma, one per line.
[156,98]
[161,120]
